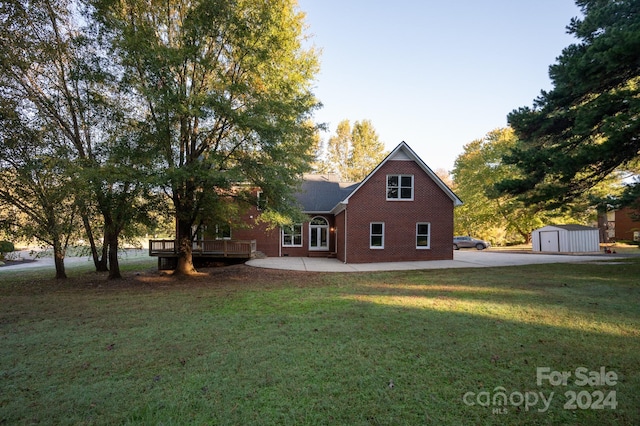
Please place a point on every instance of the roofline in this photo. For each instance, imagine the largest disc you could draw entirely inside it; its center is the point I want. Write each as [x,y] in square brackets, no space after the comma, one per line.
[403,145]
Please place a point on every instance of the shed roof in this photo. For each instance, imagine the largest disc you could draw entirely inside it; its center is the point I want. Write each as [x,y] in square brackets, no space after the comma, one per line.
[573,227]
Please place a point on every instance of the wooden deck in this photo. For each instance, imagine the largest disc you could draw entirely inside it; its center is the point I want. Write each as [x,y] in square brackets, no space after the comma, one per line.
[239,249]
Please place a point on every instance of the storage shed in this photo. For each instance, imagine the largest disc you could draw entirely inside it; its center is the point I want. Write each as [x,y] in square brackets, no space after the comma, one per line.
[565,239]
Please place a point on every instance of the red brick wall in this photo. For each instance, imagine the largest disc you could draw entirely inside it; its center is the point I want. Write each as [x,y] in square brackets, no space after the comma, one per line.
[267,240]
[625,225]
[369,204]
[304,250]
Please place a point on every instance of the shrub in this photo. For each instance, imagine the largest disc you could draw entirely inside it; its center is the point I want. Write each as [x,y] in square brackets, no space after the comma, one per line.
[6,247]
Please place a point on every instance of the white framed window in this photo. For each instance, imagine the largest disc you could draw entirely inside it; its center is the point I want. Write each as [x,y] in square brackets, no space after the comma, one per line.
[423,235]
[400,187]
[261,202]
[376,235]
[292,236]
[223,231]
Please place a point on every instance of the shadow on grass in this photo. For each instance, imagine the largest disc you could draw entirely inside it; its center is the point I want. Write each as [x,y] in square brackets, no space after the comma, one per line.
[262,347]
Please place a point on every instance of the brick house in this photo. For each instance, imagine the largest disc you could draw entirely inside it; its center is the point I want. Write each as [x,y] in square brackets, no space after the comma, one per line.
[620,225]
[401,211]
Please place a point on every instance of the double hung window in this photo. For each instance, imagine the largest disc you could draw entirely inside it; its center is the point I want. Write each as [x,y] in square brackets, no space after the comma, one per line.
[399,187]
[376,235]
[423,232]
[292,236]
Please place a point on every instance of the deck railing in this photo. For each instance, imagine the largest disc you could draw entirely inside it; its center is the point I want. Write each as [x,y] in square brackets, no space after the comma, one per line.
[207,248]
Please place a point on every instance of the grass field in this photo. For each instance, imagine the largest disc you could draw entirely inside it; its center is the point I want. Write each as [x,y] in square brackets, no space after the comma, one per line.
[239,345]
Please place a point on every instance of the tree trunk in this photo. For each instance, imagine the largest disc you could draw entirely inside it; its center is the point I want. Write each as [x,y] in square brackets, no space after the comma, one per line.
[114,265]
[111,241]
[185,258]
[104,254]
[100,264]
[58,258]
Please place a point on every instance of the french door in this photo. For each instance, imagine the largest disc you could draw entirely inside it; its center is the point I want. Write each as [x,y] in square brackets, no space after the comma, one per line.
[319,234]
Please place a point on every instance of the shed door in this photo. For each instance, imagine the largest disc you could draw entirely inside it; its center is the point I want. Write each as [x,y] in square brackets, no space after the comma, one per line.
[550,241]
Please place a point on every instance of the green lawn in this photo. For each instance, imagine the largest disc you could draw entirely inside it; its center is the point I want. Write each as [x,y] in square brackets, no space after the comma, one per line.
[246,346]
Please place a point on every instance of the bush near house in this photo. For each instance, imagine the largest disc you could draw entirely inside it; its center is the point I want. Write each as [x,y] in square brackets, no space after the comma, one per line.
[6,247]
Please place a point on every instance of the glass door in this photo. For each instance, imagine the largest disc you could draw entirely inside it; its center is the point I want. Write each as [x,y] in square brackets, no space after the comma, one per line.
[319,234]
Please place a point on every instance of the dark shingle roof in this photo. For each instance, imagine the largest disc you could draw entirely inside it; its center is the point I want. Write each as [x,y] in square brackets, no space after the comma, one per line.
[321,193]
[573,227]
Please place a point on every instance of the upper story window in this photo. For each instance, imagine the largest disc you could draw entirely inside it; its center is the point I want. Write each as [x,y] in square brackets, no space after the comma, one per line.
[399,187]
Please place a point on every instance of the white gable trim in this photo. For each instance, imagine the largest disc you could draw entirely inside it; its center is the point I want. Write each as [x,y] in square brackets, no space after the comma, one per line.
[404,153]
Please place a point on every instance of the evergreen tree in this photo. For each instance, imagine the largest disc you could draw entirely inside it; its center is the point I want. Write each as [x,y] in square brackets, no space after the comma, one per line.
[588,125]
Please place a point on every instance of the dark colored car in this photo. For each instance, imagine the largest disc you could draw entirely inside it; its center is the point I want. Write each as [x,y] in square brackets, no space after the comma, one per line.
[470,242]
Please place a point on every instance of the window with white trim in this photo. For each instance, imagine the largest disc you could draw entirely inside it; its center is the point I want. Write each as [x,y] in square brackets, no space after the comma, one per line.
[261,202]
[400,187]
[223,231]
[376,235]
[292,236]
[423,235]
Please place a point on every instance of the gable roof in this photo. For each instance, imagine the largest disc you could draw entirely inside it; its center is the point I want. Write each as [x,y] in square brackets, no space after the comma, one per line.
[325,193]
[404,152]
[321,193]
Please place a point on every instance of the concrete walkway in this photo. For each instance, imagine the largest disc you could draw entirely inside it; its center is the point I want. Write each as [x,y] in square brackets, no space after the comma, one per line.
[461,259]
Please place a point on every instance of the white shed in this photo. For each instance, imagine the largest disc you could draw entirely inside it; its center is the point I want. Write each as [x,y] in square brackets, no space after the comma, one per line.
[566,239]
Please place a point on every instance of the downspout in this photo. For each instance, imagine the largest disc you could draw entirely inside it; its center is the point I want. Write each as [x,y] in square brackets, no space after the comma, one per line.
[279,241]
[345,233]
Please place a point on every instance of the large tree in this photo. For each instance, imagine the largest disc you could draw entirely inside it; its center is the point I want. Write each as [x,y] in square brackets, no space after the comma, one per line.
[57,80]
[503,218]
[354,152]
[339,150]
[588,125]
[225,89]
[36,196]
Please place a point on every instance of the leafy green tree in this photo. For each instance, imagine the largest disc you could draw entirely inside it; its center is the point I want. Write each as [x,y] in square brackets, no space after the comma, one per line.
[366,150]
[503,218]
[339,150]
[224,88]
[34,181]
[587,126]
[58,80]
[354,152]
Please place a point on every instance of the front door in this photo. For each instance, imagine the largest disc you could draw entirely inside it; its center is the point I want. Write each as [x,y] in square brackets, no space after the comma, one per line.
[319,234]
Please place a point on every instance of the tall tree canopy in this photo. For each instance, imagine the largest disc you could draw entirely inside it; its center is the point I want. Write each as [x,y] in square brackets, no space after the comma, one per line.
[588,125]
[354,152]
[59,85]
[503,218]
[36,200]
[225,91]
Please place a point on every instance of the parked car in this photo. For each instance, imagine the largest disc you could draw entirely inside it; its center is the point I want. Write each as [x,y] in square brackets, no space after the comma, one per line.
[469,242]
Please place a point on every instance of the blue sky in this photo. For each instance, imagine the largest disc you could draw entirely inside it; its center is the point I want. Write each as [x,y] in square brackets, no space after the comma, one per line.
[435,74]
